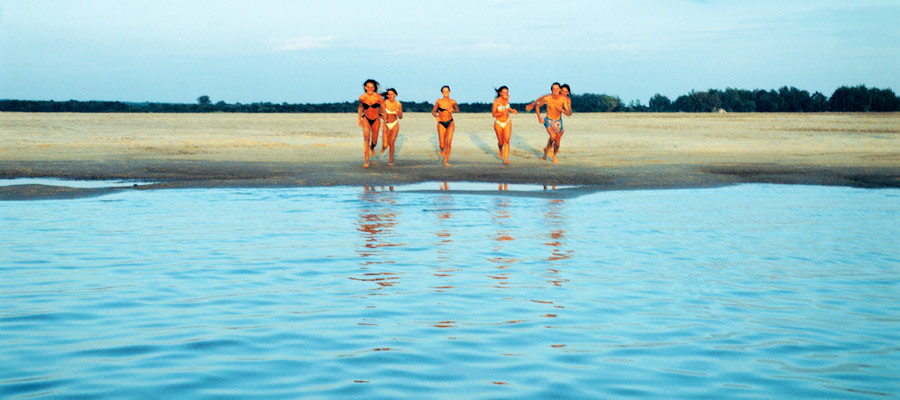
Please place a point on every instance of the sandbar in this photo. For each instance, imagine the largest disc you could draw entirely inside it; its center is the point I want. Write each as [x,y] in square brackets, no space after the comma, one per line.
[600,151]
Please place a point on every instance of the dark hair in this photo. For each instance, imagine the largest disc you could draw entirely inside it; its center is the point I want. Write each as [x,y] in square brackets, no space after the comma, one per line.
[500,90]
[445,86]
[372,81]
[390,90]
[554,83]
[566,86]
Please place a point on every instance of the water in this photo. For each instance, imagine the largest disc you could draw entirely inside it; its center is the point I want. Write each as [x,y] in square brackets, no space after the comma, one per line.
[753,291]
[71,183]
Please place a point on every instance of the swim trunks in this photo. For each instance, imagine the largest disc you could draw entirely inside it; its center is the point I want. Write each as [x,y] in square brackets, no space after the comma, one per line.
[556,124]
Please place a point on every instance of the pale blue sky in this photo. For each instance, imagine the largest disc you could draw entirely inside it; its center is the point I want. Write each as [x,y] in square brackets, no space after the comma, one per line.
[321,51]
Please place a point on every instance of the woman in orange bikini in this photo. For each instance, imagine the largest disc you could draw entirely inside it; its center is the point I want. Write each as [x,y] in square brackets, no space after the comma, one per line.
[393,112]
[443,112]
[370,106]
[502,124]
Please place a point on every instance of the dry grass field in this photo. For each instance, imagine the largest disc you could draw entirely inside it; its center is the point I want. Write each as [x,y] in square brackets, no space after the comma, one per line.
[619,150]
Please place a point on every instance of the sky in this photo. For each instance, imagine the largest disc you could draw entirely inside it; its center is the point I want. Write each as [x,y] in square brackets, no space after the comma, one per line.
[322,51]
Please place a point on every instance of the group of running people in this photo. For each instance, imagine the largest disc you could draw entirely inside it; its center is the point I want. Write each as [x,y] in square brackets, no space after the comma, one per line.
[375,109]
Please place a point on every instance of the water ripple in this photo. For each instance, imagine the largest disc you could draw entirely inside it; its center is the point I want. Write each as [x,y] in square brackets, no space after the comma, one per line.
[746,291]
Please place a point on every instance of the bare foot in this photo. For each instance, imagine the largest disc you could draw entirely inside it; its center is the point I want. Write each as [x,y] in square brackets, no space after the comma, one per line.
[446,164]
[366,165]
[506,161]
[390,163]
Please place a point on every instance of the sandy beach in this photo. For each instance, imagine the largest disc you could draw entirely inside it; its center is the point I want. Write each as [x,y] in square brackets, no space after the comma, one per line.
[601,151]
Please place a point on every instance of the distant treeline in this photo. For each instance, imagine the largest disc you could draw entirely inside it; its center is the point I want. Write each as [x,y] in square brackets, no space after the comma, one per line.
[786,99]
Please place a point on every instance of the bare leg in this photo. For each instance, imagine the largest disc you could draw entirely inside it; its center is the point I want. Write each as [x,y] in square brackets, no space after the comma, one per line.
[507,133]
[558,140]
[374,136]
[448,138]
[442,132]
[366,140]
[499,131]
[392,137]
[550,144]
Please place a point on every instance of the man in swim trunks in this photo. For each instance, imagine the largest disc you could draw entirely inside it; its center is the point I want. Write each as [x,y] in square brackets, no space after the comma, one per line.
[557,105]
[565,91]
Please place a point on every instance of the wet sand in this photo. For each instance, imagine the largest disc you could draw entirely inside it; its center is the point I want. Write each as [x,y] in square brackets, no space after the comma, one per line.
[600,151]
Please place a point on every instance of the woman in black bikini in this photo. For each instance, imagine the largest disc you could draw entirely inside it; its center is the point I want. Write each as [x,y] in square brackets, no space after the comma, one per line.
[443,112]
[371,105]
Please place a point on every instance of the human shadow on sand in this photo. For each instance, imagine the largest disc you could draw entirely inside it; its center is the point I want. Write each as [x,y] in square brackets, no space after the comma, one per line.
[398,147]
[518,146]
[483,146]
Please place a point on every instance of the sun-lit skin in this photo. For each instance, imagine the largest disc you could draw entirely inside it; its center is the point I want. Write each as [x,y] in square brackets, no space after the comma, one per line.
[564,91]
[501,110]
[370,131]
[390,134]
[445,134]
[556,104]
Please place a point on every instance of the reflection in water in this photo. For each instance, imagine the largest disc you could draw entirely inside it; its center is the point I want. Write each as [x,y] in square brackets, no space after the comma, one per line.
[501,218]
[377,219]
[223,292]
[443,206]
[555,222]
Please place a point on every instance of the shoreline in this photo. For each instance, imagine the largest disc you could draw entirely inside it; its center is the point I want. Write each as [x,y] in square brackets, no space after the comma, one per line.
[207,174]
[599,152]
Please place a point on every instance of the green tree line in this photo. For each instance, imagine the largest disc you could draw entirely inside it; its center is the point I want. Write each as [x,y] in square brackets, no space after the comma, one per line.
[787,99]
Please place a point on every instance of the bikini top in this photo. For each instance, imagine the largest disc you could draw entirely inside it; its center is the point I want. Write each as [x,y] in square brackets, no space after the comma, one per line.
[501,108]
[367,106]
[388,111]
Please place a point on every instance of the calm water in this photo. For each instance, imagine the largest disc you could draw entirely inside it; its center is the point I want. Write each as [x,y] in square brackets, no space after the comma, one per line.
[754,291]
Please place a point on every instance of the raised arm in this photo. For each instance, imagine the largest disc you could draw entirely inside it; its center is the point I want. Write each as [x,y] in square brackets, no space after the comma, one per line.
[535,102]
